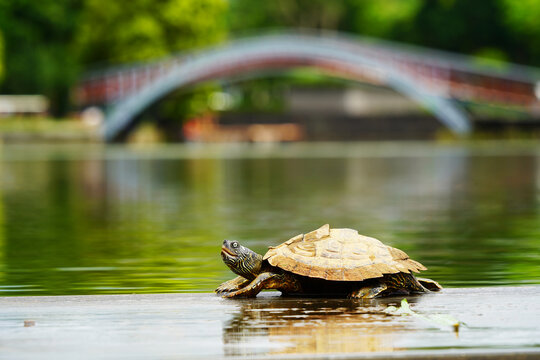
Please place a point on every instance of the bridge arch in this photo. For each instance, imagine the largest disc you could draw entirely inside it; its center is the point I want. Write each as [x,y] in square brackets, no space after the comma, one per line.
[336,55]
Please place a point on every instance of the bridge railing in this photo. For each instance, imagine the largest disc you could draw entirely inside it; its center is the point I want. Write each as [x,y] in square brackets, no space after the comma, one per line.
[253,55]
[451,75]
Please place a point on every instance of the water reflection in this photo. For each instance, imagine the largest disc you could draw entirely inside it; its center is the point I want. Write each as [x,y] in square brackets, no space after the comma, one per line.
[312,326]
[152,220]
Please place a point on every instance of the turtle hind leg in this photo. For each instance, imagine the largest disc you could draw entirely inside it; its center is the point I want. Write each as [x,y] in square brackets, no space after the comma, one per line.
[429,284]
[369,292]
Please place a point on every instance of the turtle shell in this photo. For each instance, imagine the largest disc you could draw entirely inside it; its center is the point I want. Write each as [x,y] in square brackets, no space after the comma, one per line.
[339,254]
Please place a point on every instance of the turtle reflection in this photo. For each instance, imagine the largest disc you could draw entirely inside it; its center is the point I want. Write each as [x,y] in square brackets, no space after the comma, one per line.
[279,325]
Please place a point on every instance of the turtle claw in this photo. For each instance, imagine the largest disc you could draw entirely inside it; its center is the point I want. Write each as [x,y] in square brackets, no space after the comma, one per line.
[231,285]
[220,290]
[223,289]
[232,294]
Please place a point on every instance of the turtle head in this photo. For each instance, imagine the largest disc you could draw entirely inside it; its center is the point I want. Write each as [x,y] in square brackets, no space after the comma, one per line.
[241,260]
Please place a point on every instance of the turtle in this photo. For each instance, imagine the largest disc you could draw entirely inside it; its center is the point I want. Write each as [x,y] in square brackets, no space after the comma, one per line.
[324,262]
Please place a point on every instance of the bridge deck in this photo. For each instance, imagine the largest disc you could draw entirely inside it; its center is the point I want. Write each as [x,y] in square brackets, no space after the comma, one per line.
[501,322]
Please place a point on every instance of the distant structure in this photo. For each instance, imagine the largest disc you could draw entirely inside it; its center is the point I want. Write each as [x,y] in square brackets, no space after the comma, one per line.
[23,105]
[441,82]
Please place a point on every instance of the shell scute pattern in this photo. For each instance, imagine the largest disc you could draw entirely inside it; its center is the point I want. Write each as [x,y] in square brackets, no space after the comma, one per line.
[339,254]
[303,249]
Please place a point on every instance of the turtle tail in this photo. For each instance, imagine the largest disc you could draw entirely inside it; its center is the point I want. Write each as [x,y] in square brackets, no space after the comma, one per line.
[429,284]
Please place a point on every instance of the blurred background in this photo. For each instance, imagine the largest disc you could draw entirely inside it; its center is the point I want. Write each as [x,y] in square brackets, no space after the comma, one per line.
[76,60]
[413,121]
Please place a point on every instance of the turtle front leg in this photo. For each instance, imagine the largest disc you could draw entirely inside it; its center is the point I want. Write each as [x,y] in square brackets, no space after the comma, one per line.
[262,281]
[267,280]
[232,285]
[368,292]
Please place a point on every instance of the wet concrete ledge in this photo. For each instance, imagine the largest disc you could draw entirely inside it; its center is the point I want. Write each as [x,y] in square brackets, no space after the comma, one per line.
[501,323]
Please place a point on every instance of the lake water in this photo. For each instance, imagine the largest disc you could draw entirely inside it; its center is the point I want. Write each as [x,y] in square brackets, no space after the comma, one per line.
[95,219]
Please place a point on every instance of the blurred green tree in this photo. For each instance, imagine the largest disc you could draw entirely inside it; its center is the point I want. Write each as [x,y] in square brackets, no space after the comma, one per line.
[111,32]
[463,26]
[498,29]
[47,44]
[309,14]
[368,17]
[384,19]
[37,48]
[521,19]
[1,57]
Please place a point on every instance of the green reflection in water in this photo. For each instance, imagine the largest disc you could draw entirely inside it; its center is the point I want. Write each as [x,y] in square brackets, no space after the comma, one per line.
[86,220]
[2,227]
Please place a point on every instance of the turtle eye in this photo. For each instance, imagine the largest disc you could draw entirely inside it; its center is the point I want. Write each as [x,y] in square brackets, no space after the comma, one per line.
[234,244]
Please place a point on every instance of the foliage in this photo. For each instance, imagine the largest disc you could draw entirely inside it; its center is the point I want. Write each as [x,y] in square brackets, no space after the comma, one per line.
[48,44]
[521,19]
[147,29]
[37,47]
[368,17]
[310,14]
[383,19]
[459,25]
[1,57]
[505,27]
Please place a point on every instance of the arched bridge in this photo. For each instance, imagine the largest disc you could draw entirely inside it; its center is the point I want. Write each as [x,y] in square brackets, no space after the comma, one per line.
[438,81]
